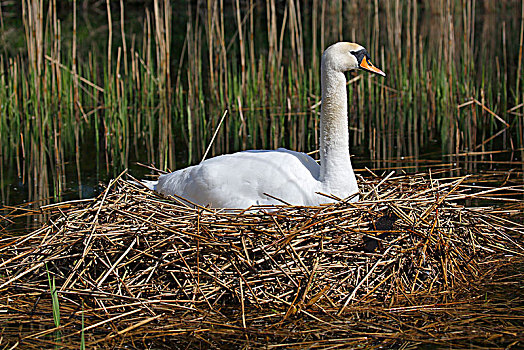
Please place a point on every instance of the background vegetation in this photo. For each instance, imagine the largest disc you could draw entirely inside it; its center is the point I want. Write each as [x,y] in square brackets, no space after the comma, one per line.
[91,86]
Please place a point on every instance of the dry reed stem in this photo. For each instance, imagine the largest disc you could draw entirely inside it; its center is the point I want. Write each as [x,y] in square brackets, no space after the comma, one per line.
[154,269]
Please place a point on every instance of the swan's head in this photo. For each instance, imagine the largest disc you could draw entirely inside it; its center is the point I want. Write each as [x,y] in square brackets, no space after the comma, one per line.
[345,56]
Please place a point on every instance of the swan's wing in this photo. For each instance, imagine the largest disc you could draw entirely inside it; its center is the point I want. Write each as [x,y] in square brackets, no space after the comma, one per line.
[306,160]
[242,179]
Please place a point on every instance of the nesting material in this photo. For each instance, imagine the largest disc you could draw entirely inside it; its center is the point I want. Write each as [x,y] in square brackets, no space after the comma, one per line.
[133,262]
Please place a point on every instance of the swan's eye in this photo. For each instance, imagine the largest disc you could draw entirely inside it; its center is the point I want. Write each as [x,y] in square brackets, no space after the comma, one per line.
[359,55]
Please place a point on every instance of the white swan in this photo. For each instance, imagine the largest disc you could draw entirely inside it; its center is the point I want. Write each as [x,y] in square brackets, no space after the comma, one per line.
[243,179]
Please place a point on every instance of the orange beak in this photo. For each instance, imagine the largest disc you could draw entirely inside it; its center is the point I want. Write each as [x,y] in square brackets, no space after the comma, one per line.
[366,65]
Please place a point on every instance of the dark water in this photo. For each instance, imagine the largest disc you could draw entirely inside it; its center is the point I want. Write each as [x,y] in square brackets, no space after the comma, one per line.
[500,168]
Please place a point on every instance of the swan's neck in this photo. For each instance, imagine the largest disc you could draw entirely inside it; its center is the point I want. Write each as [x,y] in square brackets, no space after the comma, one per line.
[336,172]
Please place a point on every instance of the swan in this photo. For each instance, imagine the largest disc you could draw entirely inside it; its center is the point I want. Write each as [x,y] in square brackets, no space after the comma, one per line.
[268,177]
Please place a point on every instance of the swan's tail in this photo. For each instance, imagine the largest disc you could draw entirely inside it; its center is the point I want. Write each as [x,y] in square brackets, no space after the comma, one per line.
[149,184]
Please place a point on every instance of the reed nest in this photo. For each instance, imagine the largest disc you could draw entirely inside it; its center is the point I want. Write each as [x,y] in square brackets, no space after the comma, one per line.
[412,262]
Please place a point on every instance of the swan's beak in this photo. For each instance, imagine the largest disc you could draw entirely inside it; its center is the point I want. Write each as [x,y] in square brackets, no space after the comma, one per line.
[367,65]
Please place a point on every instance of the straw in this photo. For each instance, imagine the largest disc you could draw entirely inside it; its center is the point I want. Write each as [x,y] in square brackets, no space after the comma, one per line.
[149,269]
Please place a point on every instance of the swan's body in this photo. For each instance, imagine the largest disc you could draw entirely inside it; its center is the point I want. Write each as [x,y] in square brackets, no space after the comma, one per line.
[246,178]
[290,176]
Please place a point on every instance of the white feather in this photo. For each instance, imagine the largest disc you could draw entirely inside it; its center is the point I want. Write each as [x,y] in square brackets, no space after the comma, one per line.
[246,178]
[243,179]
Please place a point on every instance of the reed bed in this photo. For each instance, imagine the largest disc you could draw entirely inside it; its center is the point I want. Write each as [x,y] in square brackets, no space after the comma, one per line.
[409,264]
[157,93]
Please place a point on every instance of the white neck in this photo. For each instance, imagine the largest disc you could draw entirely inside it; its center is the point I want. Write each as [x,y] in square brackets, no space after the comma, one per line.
[336,172]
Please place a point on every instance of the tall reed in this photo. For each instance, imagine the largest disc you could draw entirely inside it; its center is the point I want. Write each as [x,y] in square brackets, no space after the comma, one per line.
[158,94]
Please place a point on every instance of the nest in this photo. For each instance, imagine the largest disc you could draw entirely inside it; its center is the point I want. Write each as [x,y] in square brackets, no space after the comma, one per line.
[132,266]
